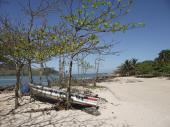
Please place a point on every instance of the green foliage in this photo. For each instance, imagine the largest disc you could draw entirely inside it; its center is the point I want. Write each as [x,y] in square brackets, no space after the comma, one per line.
[159,67]
[145,67]
[91,17]
[14,45]
[85,66]
[164,57]
[166,69]
[128,68]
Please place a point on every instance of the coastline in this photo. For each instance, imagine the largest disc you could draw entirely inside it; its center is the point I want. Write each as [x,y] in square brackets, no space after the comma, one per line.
[10,79]
[138,102]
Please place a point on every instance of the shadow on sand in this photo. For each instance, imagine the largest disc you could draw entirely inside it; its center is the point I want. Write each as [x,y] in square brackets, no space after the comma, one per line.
[23,117]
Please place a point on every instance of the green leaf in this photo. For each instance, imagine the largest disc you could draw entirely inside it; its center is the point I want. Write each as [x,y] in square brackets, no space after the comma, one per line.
[54,37]
[80,11]
[92,12]
[93,37]
[84,6]
[109,3]
[106,25]
[94,5]
[141,24]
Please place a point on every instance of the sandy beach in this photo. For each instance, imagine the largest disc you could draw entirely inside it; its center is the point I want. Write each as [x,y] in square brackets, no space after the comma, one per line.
[131,102]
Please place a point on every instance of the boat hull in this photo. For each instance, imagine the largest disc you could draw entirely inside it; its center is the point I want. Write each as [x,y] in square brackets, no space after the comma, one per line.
[54,95]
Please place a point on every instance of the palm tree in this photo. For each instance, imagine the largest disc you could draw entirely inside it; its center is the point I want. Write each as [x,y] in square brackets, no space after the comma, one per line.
[164,56]
[123,70]
[133,66]
[128,67]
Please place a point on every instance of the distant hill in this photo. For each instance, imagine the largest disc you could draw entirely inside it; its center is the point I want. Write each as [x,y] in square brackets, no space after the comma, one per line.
[9,69]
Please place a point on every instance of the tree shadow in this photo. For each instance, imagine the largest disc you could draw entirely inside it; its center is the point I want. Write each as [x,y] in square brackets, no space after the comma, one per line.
[53,119]
[70,118]
[7,98]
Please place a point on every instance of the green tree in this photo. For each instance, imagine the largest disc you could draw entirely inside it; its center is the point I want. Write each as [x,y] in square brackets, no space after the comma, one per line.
[34,14]
[159,67]
[162,62]
[128,68]
[97,65]
[13,47]
[85,66]
[87,18]
[125,68]
[164,57]
[145,67]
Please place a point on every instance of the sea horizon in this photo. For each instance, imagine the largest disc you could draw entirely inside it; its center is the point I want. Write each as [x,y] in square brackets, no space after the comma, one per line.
[9,80]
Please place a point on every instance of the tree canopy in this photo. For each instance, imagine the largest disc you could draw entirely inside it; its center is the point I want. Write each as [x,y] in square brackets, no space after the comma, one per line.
[75,31]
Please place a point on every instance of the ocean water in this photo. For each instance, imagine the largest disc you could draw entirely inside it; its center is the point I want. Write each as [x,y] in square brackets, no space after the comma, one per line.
[11,80]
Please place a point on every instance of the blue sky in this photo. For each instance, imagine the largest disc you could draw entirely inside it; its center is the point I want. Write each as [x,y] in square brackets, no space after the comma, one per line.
[141,43]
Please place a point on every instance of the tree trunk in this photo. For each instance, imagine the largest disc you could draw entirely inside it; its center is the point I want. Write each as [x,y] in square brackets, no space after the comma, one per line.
[18,73]
[30,71]
[60,69]
[41,72]
[97,71]
[69,83]
[63,68]
[46,75]
[78,68]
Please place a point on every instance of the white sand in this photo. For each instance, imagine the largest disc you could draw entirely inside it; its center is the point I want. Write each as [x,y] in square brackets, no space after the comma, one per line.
[135,102]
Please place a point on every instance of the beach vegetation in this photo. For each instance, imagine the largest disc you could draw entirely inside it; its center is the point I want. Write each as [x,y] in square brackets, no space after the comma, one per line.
[128,68]
[160,66]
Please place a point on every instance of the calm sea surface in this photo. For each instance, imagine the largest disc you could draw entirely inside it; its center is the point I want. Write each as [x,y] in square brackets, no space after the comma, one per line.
[10,80]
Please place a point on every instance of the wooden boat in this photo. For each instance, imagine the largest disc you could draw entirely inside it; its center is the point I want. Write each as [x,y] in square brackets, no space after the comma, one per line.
[58,94]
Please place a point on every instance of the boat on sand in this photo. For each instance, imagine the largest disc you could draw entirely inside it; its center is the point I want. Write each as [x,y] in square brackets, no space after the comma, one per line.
[55,95]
